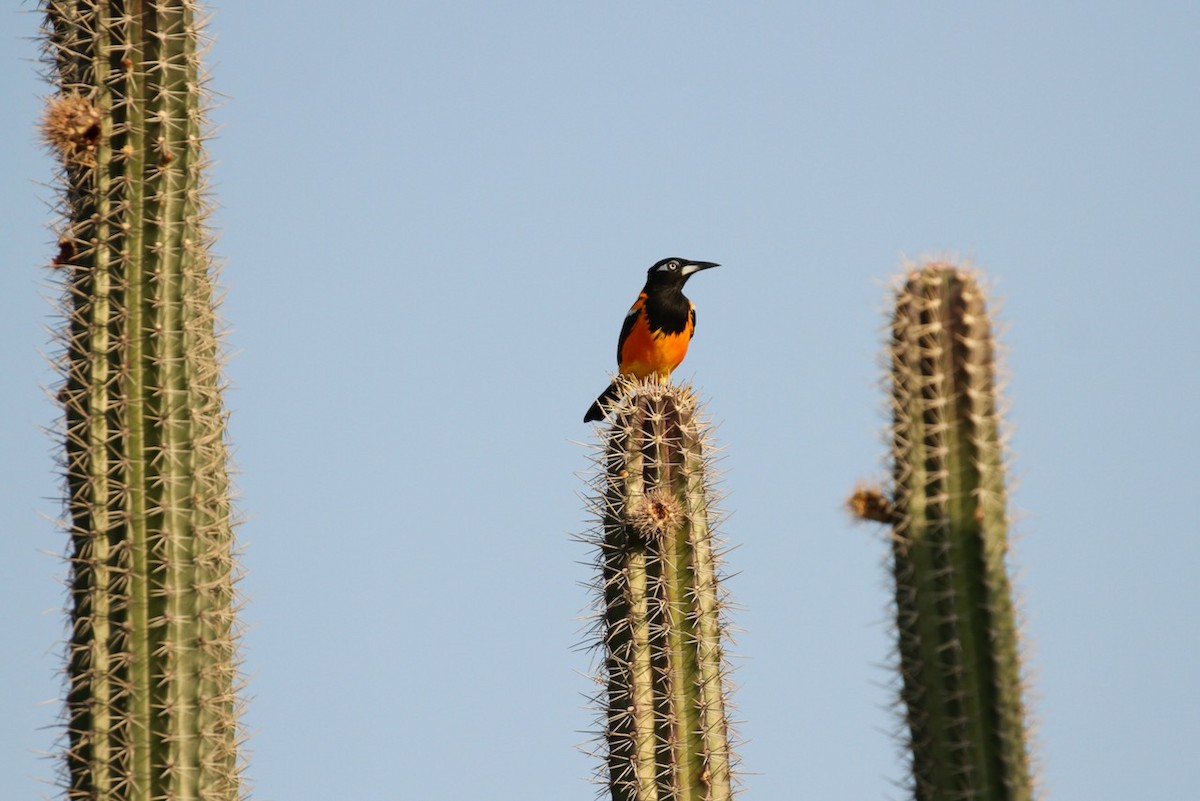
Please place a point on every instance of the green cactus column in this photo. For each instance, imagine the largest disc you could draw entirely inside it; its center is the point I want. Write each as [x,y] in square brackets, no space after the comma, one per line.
[958,645]
[151,701]
[666,733]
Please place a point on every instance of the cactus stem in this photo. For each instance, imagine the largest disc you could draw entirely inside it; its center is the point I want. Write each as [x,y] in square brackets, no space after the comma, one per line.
[664,706]
[152,671]
[957,644]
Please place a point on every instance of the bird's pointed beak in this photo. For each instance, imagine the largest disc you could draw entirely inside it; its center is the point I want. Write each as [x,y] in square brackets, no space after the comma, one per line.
[697,266]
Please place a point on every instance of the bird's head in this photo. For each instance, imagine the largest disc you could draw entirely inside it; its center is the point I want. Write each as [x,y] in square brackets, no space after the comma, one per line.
[674,272]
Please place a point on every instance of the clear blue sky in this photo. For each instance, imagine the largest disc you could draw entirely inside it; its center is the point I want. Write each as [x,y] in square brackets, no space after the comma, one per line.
[434,217]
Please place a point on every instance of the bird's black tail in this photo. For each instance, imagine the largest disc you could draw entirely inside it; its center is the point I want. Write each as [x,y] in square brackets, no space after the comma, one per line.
[599,409]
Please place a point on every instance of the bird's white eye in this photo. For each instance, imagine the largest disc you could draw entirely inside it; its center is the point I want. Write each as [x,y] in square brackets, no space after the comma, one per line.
[669,267]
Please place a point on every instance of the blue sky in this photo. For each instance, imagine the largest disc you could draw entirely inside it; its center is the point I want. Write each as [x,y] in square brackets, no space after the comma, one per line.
[433,217]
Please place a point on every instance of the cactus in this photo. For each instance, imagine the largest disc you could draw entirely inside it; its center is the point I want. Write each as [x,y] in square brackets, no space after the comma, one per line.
[152,680]
[958,644]
[663,705]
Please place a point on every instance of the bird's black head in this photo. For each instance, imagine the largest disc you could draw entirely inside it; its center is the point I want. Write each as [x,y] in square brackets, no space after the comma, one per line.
[674,272]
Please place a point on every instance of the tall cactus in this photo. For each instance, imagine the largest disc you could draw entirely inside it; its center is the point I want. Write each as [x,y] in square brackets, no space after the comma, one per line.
[151,708]
[663,697]
[958,645]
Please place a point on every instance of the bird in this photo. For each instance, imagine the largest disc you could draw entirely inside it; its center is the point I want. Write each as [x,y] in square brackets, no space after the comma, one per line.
[657,329]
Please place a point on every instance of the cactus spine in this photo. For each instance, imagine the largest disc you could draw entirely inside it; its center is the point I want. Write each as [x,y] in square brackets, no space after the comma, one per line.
[664,707]
[152,706]
[958,644]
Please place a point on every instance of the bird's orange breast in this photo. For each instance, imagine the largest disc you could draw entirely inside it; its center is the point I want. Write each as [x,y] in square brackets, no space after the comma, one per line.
[645,351]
